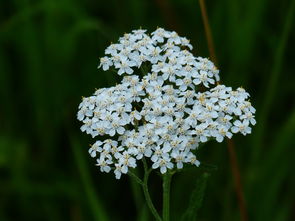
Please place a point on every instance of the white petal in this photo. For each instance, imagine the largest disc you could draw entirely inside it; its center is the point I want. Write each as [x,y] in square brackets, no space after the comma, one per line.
[179,165]
[203,139]
[118,174]
[112,132]
[155,165]
[121,71]
[197,163]
[124,169]
[235,129]
[219,138]
[196,81]
[107,169]
[154,158]
[93,154]
[121,130]
[163,170]
[105,67]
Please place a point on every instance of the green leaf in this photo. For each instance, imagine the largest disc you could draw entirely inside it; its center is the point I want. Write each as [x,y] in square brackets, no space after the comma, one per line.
[273,85]
[196,199]
[276,168]
[95,203]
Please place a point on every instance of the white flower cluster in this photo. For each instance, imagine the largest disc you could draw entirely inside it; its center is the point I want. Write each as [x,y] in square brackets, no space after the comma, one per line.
[161,113]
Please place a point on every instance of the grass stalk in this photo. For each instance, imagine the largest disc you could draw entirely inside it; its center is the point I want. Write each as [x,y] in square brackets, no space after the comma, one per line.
[237,179]
[208,31]
[273,83]
[230,143]
[95,203]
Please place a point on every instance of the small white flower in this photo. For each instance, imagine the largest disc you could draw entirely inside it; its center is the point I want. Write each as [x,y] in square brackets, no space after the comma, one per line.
[164,164]
[191,158]
[138,34]
[159,35]
[96,147]
[143,151]
[116,126]
[221,133]
[125,65]
[179,158]
[113,48]
[184,83]
[105,62]
[104,164]
[202,132]
[242,127]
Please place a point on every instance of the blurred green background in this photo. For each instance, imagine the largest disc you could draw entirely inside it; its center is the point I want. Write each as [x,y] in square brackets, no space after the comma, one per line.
[49,51]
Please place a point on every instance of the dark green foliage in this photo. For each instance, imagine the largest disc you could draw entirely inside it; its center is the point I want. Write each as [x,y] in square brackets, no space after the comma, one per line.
[49,51]
[196,199]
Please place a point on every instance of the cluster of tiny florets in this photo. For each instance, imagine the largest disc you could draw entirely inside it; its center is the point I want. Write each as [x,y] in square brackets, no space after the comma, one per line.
[165,106]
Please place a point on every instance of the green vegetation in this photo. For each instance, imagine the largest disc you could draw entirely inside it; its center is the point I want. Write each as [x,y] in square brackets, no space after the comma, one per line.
[49,51]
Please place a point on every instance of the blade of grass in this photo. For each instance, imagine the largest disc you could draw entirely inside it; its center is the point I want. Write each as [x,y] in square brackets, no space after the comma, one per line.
[208,33]
[272,85]
[230,143]
[244,22]
[6,90]
[237,179]
[95,203]
[196,199]
[276,168]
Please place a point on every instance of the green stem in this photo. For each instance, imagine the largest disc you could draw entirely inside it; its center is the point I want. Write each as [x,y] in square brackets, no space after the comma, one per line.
[146,192]
[136,178]
[166,196]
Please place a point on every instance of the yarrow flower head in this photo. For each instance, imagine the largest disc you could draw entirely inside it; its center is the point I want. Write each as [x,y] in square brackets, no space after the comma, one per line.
[167,103]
